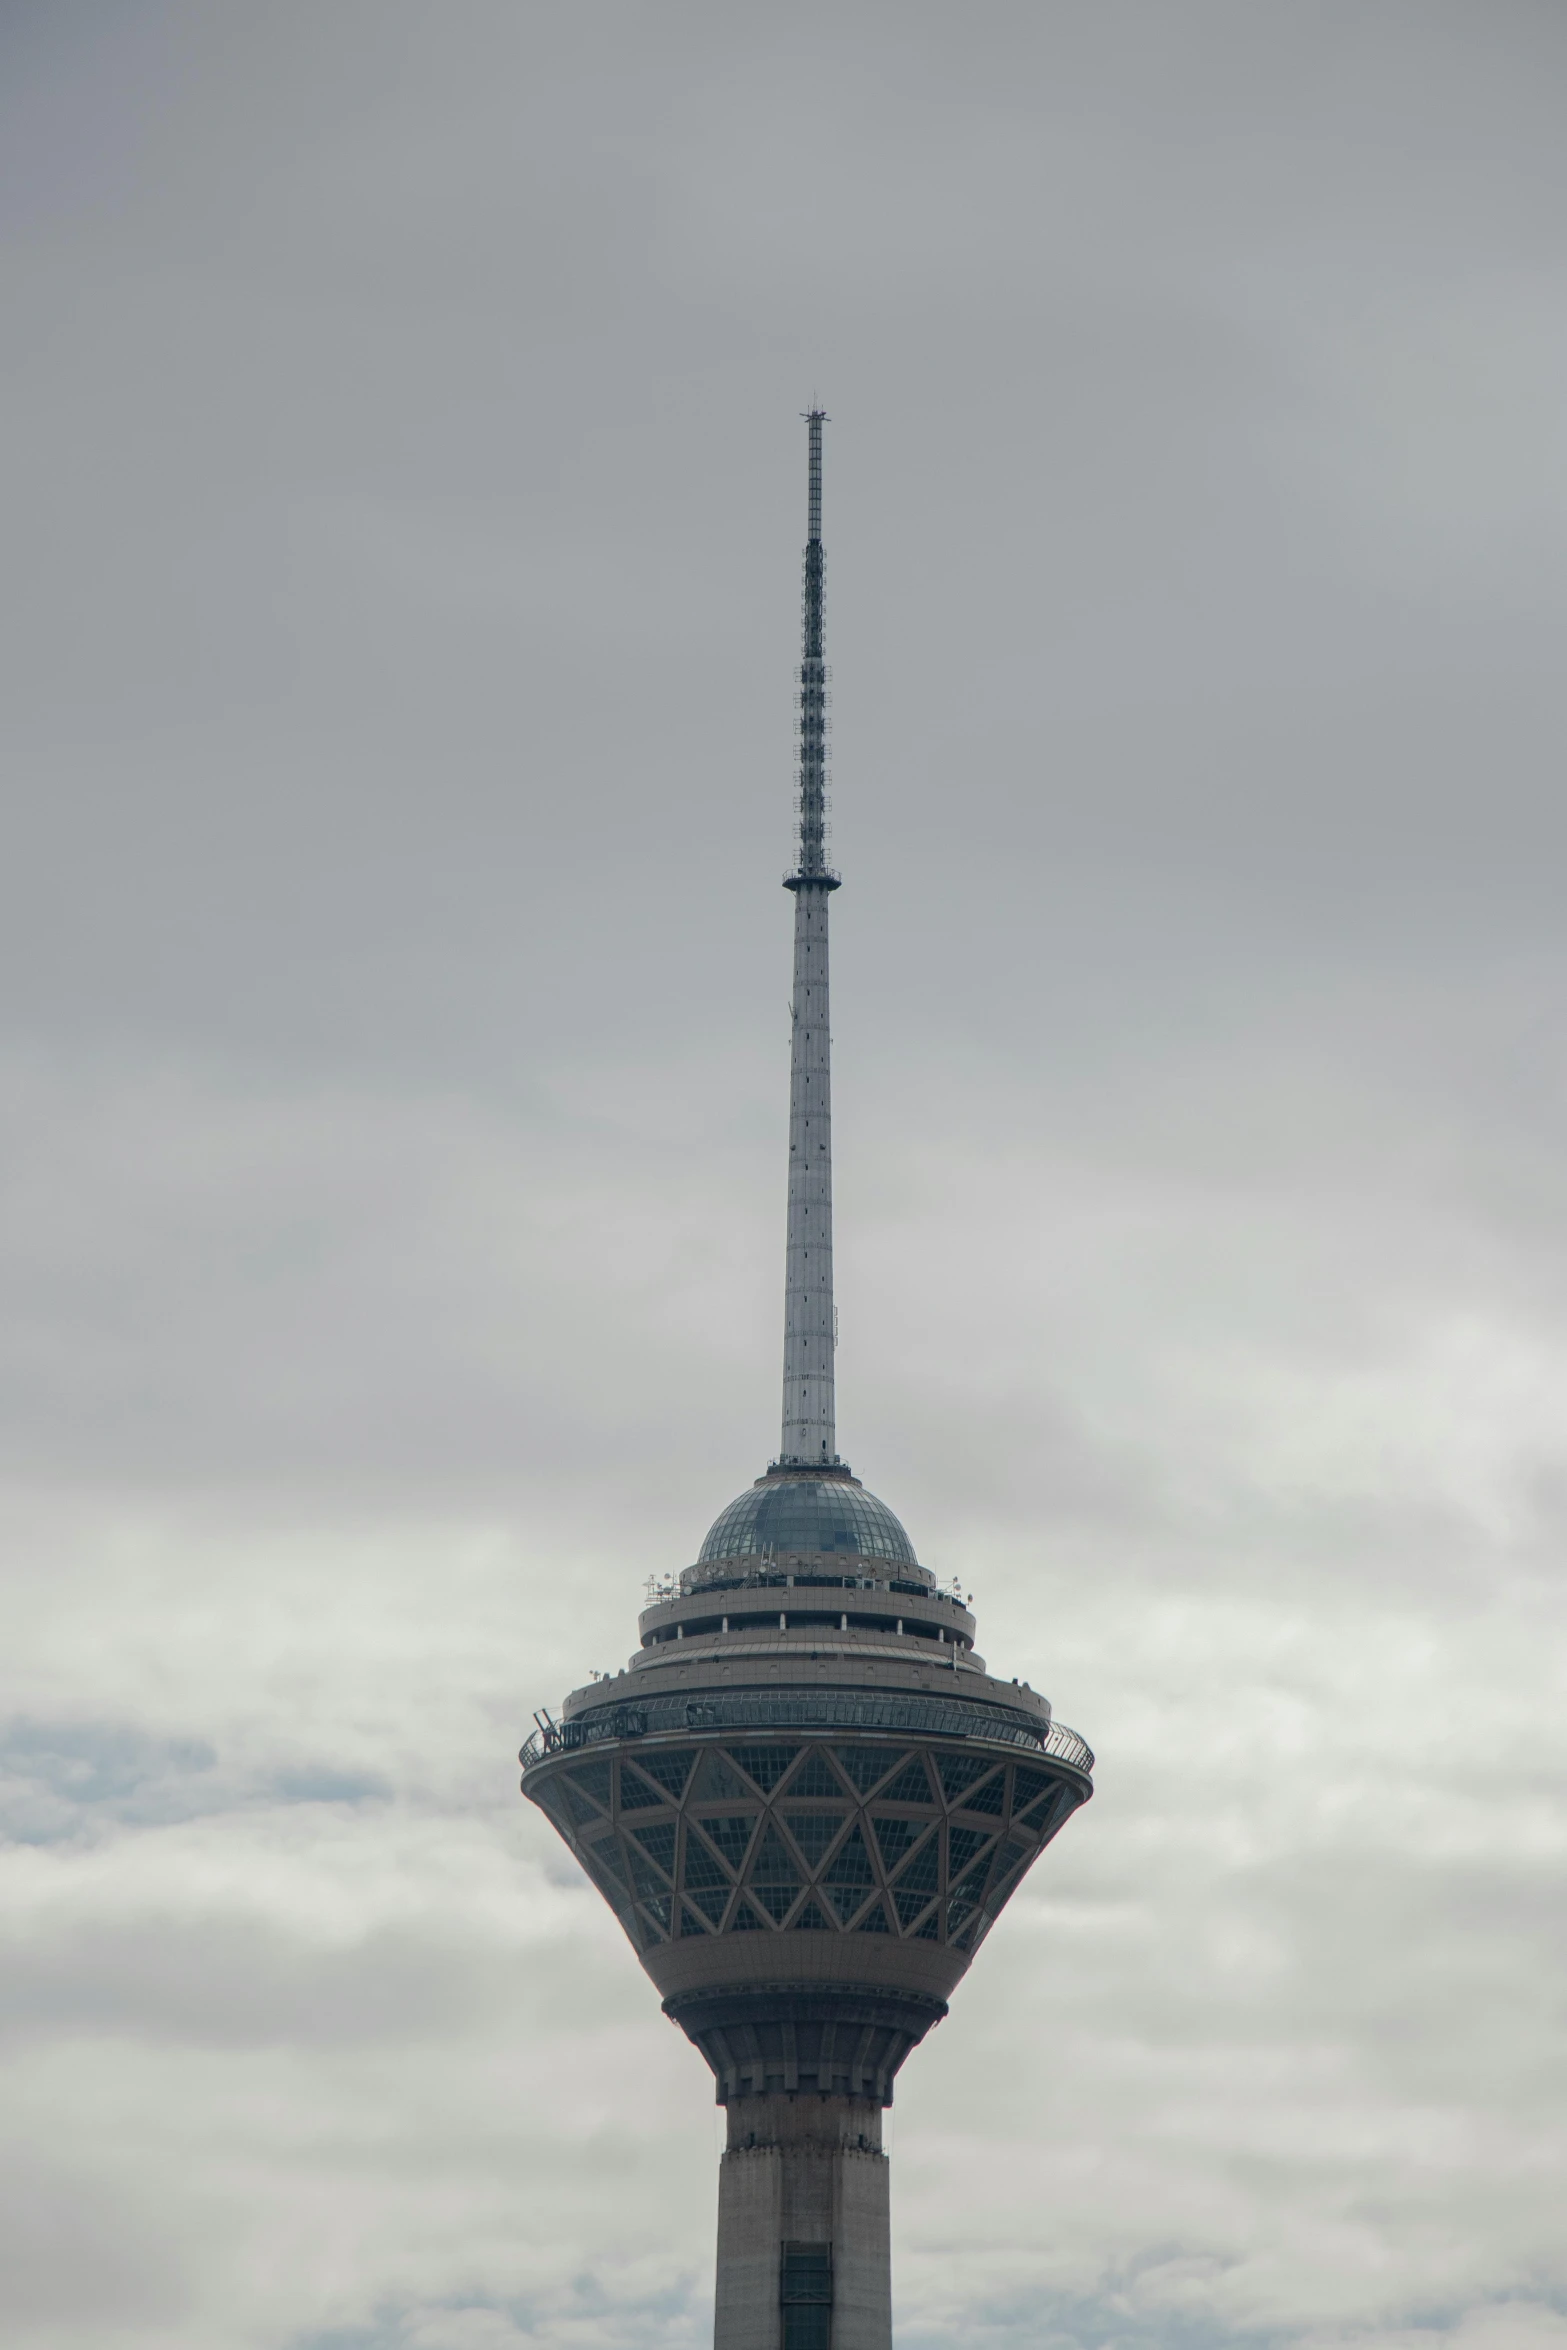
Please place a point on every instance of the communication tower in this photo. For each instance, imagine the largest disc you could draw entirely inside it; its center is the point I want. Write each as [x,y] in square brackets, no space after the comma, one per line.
[805,1798]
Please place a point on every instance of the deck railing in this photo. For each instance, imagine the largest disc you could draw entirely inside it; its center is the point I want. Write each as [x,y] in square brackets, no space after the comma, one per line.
[987,1725]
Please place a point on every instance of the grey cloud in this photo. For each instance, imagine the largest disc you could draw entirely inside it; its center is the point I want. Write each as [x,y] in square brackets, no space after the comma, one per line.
[403,504]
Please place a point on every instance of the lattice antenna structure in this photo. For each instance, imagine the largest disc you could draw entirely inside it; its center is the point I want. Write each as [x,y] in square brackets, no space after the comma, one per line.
[810,1437]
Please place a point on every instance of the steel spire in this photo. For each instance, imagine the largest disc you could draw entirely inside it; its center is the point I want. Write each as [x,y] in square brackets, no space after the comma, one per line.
[809,1432]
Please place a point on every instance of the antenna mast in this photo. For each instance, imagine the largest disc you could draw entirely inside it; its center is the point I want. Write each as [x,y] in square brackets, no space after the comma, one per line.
[809,1424]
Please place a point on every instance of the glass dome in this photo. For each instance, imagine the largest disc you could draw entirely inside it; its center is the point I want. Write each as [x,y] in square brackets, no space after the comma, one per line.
[808,1513]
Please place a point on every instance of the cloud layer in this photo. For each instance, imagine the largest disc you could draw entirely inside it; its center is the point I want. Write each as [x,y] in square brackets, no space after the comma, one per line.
[404,487]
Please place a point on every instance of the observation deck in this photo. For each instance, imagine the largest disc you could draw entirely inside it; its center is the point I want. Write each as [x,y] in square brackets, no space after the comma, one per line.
[804,1787]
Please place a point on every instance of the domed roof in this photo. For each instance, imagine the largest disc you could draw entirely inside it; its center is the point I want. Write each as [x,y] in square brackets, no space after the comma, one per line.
[808,1513]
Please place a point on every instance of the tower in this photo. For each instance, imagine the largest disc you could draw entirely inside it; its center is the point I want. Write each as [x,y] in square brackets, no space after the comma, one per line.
[805,1798]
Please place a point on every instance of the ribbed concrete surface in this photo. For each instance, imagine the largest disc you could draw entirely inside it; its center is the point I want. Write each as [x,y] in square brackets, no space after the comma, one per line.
[810,2170]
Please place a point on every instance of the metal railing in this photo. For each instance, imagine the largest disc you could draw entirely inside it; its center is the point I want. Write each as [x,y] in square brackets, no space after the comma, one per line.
[990,1725]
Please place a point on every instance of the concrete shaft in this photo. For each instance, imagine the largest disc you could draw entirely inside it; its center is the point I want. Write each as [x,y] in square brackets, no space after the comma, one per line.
[804,2245]
[809,1432]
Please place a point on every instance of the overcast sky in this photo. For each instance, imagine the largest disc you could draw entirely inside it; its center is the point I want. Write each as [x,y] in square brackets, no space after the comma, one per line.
[403,492]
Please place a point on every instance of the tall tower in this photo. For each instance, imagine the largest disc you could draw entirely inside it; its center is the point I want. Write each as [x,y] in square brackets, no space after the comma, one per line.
[805,1798]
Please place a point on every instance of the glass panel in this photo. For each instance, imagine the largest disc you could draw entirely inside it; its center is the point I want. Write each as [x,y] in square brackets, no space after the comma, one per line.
[748,1711]
[635,1792]
[805,2272]
[659,1844]
[690,1923]
[718,1781]
[853,1864]
[1047,1812]
[647,1884]
[963,1843]
[670,1770]
[1028,1785]
[811,1921]
[910,1786]
[815,1776]
[910,1904]
[808,1513]
[895,1837]
[593,1779]
[930,1931]
[814,1832]
[807,2325]
[701,1867]
[605,1855]
[765,1764]
[958,1771]
[658,1906]
[866,1764]
[874,1921]
[777,1897]
[991,1797]
[710,1902]
[731,1834]
[745,1920]
[845,1899]
[922,1874]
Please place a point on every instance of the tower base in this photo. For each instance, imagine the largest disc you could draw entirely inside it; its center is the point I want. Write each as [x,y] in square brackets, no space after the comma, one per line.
[804,2244]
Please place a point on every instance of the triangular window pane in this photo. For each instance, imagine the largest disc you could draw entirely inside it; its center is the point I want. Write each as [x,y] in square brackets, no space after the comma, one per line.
[552,1801]
[846,1899]
[1015,1849]
[963,1844]
[958,1771]
[1027,1784]
[866,1764]
[745,1920]
[922,1874]
[910,1905]
[815,1776]
[636,1793]
[731,1835]
[990,1797]
[710,1901]
[605,1855]
[690,1923]
[960,1909]
[910,1786]
[658,1906]
[670,1770]
[701,1867]
[659,1844]
[774,1861]
[718,1781]
[895,1838]
[1046,1811]
[765,1764]
[814,1832]
[650,1887]
[874,1921]
[930,1931]
[593,1779]
[811,1921]
[853,1864]
[777,1898]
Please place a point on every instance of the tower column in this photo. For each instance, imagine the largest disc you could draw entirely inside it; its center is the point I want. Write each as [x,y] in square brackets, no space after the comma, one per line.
[804,2241]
